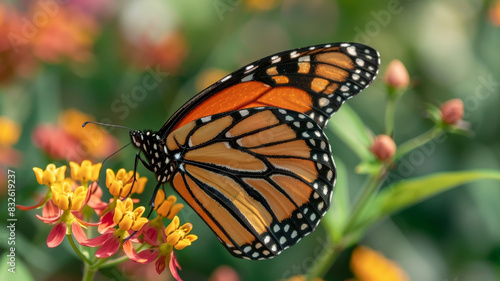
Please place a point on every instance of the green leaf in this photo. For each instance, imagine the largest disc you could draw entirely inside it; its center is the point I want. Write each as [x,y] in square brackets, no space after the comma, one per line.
[348,126]
[339,212]
[409,192]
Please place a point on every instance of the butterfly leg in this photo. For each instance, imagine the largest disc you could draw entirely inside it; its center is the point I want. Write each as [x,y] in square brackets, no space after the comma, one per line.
[146,164]
[152,201]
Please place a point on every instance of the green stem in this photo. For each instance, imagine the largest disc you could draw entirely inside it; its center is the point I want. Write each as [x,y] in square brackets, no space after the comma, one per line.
[390,111]
[88,273]
[112,262]
[77,250]
[424,138]
[324,261]
[366,195]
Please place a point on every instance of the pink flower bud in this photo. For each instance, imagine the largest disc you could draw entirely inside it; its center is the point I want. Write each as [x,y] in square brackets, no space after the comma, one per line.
[452,111]
[383,147]
[396,75]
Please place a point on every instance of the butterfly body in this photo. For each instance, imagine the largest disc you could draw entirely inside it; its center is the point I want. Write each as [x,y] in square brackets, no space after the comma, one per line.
[249,154]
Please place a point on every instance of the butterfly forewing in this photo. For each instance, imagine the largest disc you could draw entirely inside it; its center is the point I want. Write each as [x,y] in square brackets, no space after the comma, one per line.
[261,178]
[248,153]
[313,80]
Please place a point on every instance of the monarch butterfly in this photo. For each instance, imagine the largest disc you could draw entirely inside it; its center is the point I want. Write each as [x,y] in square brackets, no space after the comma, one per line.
[249,154]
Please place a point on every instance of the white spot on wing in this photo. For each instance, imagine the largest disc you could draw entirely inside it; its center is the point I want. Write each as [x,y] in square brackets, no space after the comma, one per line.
[247,78]
[305,58]
[225,78]
[323,102]
[244,112]
[351,50]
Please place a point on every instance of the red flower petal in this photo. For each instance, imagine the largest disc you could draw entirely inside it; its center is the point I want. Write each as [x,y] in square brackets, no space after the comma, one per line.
[106,222]
[149,254]
[98,241]
[47,220]
[79,234]
[109,248]
[95,201]
[146,256]
[27,208]
[56,235]
[160,264]
[173,265]
[150,235]
[90,190]
[50,210]
[86,223]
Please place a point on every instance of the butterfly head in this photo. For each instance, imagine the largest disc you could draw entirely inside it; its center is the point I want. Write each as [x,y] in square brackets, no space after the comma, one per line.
[155,152]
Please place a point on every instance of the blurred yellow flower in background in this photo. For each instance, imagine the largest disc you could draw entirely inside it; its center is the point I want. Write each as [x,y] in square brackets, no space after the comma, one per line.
[208,77]
[9,131]
[370,265]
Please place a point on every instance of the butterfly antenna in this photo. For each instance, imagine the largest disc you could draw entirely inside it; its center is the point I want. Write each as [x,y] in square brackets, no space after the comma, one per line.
[113,154]
[106,125]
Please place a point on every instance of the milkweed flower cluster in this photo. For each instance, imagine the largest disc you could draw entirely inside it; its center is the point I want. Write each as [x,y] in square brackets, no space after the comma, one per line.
[70,203]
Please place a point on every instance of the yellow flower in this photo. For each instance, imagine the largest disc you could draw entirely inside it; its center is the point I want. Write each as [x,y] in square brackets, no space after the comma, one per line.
[86,171]
[127,218]
[50,175]
[119,184]
[178,236]
[9,131]
[369,265]
[167,207]
[139,184]
[65,199]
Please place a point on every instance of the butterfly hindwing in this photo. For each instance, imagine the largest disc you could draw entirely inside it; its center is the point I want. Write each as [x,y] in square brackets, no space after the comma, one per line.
[261,178]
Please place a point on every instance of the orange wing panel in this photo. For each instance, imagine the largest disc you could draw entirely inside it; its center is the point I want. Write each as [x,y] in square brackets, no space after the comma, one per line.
[181,188]
[247,95]
[289,98]
[232,98]
[282,206]
[252,209]
[235,230]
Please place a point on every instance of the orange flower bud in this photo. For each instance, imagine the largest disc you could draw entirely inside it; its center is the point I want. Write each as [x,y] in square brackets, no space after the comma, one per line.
[452,111]
[383,147]
[396,75]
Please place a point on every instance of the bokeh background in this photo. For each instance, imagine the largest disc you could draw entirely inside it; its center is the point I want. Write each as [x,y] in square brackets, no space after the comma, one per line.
[134,62]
